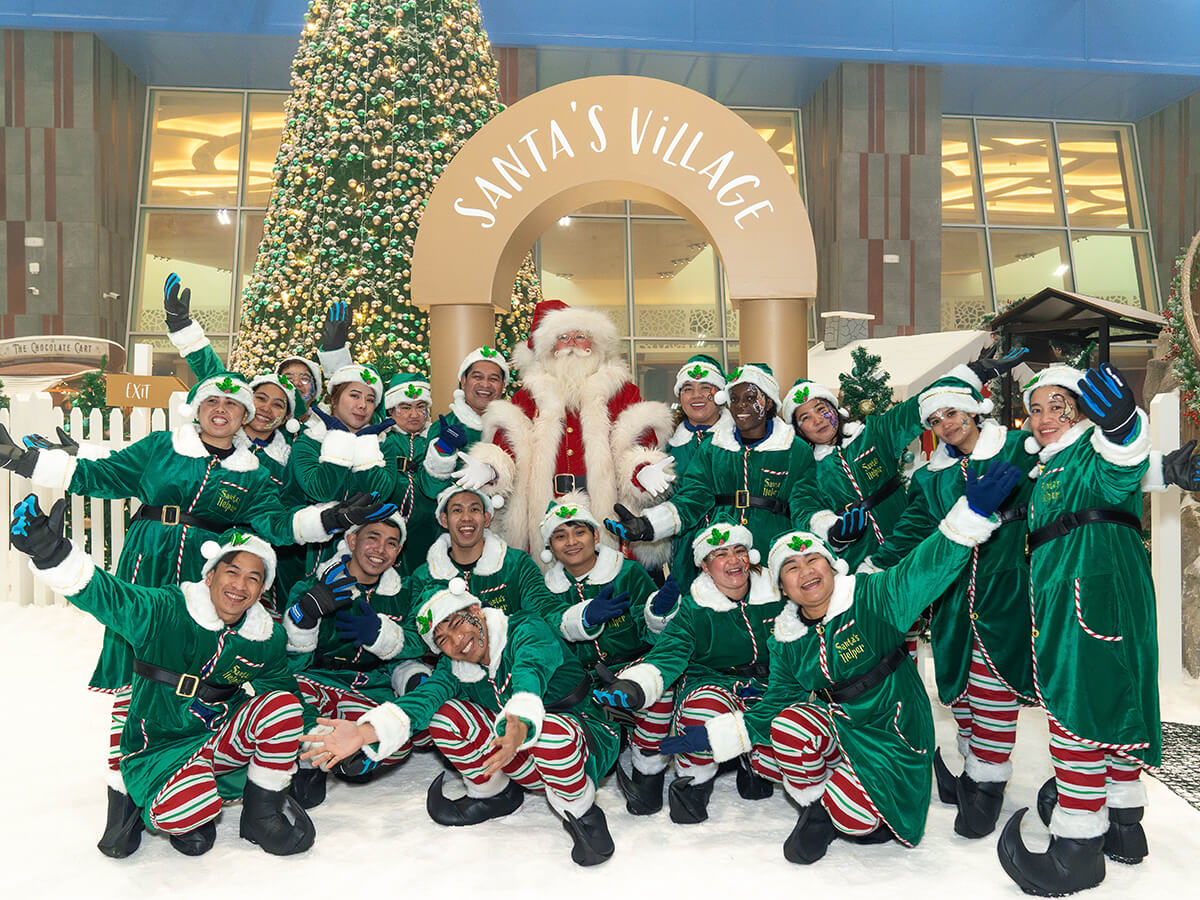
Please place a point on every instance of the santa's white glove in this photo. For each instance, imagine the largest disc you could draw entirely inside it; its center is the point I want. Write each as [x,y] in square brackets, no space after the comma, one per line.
[474,473]
[656,477]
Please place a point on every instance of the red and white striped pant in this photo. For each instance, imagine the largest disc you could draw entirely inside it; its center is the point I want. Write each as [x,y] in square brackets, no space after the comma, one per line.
[1089,775]
[805,757]
[700,705]
[116,725]
[264,734]
[463,732]
[343,703]
[986,714]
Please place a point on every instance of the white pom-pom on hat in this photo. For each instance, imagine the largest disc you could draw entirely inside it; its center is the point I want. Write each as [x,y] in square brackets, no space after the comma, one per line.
[210,549]
[547,556]
[292,425]
[186,410]
[459,396]
[987,406]
[721,398]
[755,556]
[457,586]
[497,501]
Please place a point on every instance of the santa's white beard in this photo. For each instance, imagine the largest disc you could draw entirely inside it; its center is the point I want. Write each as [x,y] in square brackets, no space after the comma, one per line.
[572,368]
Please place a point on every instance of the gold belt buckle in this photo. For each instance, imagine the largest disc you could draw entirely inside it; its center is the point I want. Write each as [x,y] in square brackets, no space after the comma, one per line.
[175,511]
[741,499]
[188,684]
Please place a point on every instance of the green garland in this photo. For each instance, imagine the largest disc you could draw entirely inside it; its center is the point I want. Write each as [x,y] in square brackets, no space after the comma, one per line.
[1181,354]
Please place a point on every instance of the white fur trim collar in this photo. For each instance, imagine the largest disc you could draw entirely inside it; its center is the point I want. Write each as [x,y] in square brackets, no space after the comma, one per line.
[256,624]
[850,433]
[789,627]
[607,567]
[724,436]
[277,448]
[684,435]
[704,592]
[443,568]
[466,415]
[1045,454]
[991,442]
[497,627]
[185,440]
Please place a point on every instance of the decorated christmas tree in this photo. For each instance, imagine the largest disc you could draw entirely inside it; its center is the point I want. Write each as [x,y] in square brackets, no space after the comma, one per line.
[865,390]
[1182,354]
[383,95]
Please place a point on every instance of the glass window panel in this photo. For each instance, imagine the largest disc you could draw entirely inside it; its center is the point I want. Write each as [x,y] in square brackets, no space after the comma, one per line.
[674,281]
[265,123]
[733,355]
[167,360]
[960,183]
[194,145]
[1112,267]
[252,235]
[583,264]
[1099,176]
[966,279]
[1020,180]
[603,208]
[657,363]
[639,208]
[1027,261]
[778,128]
[199,247]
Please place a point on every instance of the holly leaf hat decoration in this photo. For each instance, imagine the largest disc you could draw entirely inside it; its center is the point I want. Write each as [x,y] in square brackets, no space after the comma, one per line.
[368,377]
[412,390]
[717,537]
[425,621]
[697,372]
[800,544]
[227,386]
[566,512]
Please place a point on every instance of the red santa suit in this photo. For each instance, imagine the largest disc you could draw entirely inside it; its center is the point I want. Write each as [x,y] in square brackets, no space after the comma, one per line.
[576,426]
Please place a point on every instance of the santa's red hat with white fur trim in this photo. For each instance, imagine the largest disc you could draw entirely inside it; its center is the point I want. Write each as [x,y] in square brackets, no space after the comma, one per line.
[552,318]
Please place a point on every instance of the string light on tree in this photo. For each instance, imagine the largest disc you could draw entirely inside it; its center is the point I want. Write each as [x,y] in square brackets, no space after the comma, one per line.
[383,95]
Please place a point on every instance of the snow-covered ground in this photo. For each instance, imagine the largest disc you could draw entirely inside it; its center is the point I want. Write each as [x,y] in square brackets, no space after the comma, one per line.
[377,839]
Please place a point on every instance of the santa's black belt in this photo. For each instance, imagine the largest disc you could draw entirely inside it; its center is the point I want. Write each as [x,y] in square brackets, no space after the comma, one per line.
[578,694]
[759,670]
[1012,514]
[174,515]
[185,685]
[404,465]
[564,484]
[853,688]
[745,499]
[889,487]
[1068,522]
[370,663]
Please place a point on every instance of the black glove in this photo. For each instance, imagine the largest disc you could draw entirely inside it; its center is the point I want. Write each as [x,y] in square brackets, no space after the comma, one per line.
[618,692]
[985,494]
[988,367]
[65,442]
[22,460]
[629,527]
[336,330]
[1182,467]
[605,607]
[177,304]
[1108,401]
[40,537]
[451,438]
[327,596]
[358,509]
[849,528]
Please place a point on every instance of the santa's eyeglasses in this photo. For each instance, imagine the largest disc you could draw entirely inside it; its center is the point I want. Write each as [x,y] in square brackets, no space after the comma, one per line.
[574,337]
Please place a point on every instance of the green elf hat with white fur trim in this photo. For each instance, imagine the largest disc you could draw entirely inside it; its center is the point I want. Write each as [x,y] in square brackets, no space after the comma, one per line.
[296,405]
[700,369]
[226,384]
[490,503]
[560,512]
[1062,376]
[358,374]
[314,369]
[952,393]
[480,354]
[235,540]
[407,387]
[723,534]
[757,374]
[803,390]
[439,605]
[800,543]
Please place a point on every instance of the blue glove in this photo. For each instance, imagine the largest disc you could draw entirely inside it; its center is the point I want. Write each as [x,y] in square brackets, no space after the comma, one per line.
[666,598]
[358,509]
[333,423]
[206,714]
[985,494]
[330,594]
[451,437]
[336,330]
[987,367]
[605,607]
[848,529]
[361,628]
[748,691]
[1109,402]
[177,305]
[378,427]
[693,740]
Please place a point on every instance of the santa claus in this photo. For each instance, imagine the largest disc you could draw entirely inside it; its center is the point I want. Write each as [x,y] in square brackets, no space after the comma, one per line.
[578,426]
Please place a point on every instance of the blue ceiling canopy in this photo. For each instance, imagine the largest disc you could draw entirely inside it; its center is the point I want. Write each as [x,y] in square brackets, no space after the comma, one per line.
[1109,59]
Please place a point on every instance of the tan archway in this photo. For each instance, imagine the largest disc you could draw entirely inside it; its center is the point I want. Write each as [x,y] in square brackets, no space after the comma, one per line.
[596,139]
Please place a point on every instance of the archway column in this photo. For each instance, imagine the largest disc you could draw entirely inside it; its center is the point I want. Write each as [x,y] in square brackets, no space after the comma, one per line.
[455,329]
[774,330]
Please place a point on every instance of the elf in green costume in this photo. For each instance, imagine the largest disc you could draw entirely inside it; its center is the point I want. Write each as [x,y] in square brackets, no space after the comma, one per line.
[600,596]
[482,377]
[509,706]
[499,575]
[981,654]
[1094,634]
[856,756]
[408,400]
[194,732]
[713,656]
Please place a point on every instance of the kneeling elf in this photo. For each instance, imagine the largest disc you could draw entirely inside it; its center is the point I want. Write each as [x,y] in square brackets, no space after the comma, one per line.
[509,706]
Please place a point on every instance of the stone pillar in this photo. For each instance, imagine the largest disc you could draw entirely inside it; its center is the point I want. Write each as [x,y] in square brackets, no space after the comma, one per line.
[775,331]
[72,116]
[872,142]
[455,329]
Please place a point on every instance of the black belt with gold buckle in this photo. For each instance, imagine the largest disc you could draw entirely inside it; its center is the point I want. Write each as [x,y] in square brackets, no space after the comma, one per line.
[564,484]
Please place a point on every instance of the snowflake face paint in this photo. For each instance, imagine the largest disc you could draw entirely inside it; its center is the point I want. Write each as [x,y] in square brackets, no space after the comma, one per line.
[1053,411]
[463,636]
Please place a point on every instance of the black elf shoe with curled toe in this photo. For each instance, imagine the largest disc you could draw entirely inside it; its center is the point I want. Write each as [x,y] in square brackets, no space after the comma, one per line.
[811,837]
[689,801]
[643,793]
[1069,865]
[471,810]
[593,843]
[198,841]
[123,830]
[275,821]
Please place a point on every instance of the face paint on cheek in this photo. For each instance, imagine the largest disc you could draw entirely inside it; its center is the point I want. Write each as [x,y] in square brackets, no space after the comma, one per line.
[760,407]
[1069,414]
